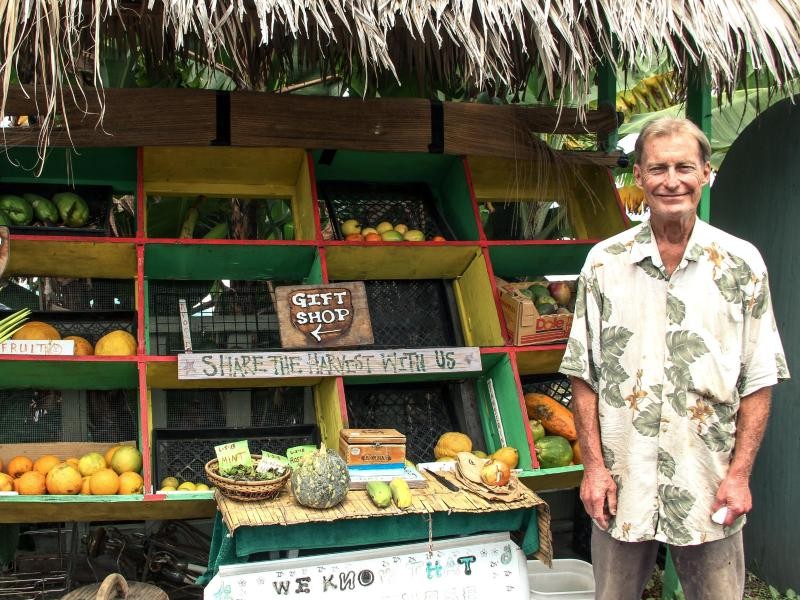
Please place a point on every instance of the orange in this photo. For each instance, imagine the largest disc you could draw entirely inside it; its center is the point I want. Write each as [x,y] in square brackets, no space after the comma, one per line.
[82,345]
[19,465]
[73,461]
[372,237]
[116,343]
[110,453]
[127,458]
[130,483]
[31,483]
[508,455]
[6,482]
[438,238]
[91,463]
[353,237]
[105,481]
[64,479]
[85,491]
[44,463]
[36,330]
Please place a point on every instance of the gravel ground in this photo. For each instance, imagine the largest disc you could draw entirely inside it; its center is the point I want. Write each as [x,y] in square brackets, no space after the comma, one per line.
[754,589]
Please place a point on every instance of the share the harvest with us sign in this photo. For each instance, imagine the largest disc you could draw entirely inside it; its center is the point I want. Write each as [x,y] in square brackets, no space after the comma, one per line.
[480,567]
[327,363]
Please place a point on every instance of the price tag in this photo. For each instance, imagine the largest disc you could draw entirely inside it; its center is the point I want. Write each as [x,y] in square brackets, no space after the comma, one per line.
[295,453]
[233,454]
[281,459]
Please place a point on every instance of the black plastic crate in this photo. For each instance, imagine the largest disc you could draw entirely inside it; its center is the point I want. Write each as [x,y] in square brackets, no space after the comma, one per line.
[59,295]
[183,453]
[555,385]
[421,411]
[413,313]
[371,203]
[89,325]
[97,197]
[239,317]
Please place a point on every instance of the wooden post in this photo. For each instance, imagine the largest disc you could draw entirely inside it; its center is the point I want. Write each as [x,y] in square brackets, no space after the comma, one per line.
[607,96]
[698,109]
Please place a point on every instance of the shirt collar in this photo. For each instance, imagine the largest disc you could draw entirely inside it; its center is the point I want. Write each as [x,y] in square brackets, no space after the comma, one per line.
[644,245]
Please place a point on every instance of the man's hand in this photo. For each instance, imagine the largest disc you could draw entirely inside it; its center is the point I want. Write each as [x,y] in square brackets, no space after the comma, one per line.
[733,492]
[599,495]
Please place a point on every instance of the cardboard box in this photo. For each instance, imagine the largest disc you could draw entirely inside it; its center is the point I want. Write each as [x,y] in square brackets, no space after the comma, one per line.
[63,450]
[525,324]
[371,447]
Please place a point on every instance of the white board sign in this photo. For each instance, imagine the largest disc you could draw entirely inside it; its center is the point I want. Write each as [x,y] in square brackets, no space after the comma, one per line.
[38,347]
[477,567]
[327,363]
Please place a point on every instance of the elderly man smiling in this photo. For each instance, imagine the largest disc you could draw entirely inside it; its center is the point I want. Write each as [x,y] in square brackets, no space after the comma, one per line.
[672,355]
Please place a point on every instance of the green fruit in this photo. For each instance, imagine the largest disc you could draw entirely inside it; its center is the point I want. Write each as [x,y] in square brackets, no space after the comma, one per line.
[380,493]
[4,221]
[545,308]
[537,430]
[392,236]
[44,210]
[73,209]
[321,480]
[553,451]
[538,291]
[18,210]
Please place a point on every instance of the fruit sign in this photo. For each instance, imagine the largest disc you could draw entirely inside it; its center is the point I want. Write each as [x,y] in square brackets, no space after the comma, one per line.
[324,315]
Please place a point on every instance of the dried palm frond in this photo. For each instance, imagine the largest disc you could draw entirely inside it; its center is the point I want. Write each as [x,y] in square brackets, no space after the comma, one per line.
[12,323]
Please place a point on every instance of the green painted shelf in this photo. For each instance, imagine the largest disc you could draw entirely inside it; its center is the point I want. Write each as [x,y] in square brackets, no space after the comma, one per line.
[562,257]
[87,373]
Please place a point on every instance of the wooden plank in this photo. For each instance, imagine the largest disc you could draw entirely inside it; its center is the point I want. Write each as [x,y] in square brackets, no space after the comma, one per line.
[480,321]
[323,315]
[164,375]
[351,363]
[539,360]
[133,117]
[510,130]
[259,119]
[57,258]
[106,508]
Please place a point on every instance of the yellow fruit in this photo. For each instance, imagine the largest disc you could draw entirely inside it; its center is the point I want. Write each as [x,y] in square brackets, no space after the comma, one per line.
[19,465]
[446,459]
[401,228]
[85,489]
[130,483]
[351,226]
[480,454]
[367,230]
[91,463]
[508,455]
[116,343]
[36,330]
[391,236]
[75,462]
[170,482]
[187,486]
[126,458]
[110,453]
[168,488]
[201,487]
[414,235]
[64,479]
[82,345]
[451,443]
[45,463]
[384,226]
[6,482]
[31,483]
[104,482]
[1,464]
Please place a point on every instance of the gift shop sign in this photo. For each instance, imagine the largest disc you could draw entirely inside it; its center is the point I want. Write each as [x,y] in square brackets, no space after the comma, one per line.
[469,568]
[323,315]
[327,363]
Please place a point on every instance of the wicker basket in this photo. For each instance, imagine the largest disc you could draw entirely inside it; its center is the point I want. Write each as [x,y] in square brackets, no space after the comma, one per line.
[246,491]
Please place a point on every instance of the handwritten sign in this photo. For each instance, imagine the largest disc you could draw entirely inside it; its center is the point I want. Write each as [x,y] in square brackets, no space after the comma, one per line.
[349,363]
[323,315]
[38,348]
[295,453]
[468,568]
[233,454]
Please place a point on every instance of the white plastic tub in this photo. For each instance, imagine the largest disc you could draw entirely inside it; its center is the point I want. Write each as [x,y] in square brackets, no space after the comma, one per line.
[569,579]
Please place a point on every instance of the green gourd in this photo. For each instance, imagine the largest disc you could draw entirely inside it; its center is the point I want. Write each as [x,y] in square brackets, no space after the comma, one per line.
[321,480]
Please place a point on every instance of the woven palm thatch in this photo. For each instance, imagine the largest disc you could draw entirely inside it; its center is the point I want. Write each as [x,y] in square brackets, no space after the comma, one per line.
[58,46]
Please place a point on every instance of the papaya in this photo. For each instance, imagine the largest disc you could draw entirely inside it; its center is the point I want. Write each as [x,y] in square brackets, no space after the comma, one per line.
[553,451]
[556,418]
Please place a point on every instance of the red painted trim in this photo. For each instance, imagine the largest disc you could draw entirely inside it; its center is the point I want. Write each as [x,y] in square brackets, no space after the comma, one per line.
[589,242]
[524,409]
[140,301]
[314,197]
[540,348]
[140,197]
[496,295]
[620,206]
[475,210]
[155,497]
[74,238]
[342,402]
[323,263]
[87,359]
[203,242]
[144,428]
[407,244]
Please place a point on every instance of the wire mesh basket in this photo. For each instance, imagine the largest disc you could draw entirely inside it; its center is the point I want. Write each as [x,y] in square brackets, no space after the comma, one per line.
[35,577]
[413,313]
[555,385]
[183,453]
[31,416]
[238,316]
[371,203]
[421,411]
[58,294]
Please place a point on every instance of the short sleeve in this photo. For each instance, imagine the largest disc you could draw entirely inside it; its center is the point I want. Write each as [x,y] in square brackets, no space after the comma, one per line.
[763,360]
[577,361]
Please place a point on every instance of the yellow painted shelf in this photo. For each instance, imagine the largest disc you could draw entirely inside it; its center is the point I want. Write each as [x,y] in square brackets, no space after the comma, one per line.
[401,260]
[72,257]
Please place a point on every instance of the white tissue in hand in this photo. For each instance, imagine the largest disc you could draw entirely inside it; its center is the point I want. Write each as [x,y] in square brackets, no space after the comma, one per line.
[719,516]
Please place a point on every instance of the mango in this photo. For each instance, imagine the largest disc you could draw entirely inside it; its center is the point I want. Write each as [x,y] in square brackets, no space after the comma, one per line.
[401,494]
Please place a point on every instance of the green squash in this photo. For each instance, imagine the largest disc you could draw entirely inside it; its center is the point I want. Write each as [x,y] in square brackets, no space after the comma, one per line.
[553,451]
[321,480]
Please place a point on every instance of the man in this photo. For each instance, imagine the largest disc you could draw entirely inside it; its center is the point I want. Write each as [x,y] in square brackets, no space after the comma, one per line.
[672,354]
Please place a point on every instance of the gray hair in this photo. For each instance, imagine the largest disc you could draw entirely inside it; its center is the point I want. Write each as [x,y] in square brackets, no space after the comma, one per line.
[666,126]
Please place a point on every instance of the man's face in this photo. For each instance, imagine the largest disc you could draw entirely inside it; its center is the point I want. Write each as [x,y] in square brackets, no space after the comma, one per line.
[672,174]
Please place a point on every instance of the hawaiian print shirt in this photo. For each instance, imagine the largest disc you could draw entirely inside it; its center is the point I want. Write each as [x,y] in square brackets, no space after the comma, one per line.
[669,358]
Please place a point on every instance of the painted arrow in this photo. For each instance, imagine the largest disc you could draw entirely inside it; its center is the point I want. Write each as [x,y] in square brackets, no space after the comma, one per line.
[317,333]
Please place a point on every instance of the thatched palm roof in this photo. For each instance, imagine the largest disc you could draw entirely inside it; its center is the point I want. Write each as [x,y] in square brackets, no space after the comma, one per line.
[446,45]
